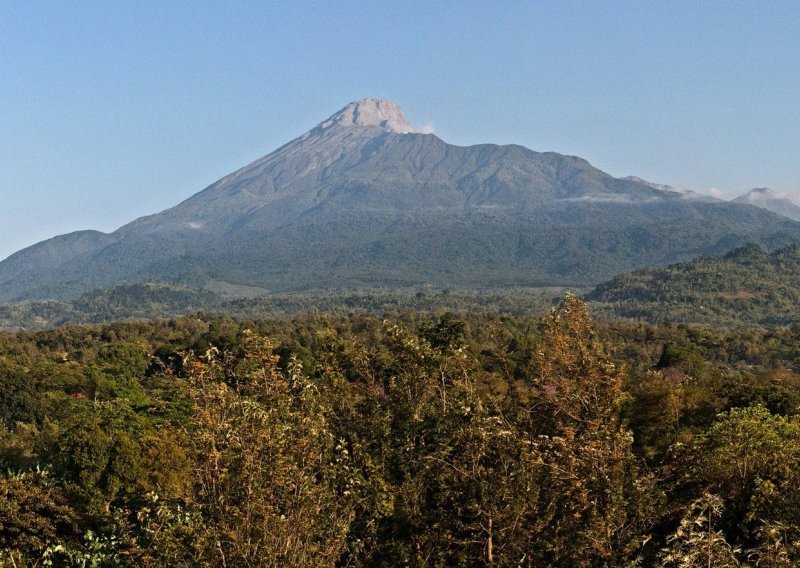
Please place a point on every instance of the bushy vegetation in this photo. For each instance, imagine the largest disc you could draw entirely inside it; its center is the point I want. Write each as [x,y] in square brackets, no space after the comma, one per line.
[748,286]
[422,440]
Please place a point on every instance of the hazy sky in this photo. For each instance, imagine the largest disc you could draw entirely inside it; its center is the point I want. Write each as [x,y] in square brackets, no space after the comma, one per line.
[113,110]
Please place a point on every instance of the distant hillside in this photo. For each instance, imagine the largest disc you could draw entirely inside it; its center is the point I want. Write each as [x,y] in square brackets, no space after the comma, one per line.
[364,201]
[746,286]
[145,301]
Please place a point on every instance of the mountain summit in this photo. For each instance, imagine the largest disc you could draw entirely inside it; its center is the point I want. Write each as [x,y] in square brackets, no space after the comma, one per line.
[371,112]
[363,200]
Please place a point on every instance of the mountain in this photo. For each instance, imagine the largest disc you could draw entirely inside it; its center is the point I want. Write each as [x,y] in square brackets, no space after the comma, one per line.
[364,200]
[746,286]
[771,201]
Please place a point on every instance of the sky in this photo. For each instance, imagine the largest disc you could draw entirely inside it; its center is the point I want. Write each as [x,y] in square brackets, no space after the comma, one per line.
[113,110]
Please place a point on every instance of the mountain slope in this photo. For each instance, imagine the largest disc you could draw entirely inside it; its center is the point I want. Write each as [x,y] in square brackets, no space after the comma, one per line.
[771,201]
[746,286]
[363,200]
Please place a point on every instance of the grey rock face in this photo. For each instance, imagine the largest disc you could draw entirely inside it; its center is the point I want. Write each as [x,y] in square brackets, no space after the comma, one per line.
[370,112]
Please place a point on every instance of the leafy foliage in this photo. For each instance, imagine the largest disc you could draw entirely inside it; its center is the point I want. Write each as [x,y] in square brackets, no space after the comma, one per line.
[420,440]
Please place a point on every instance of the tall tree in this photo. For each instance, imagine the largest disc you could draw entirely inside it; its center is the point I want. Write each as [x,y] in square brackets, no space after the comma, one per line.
[594,503]
[270,476]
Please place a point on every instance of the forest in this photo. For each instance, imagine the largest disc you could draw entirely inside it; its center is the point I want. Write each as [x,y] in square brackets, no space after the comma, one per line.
[747,286]
[159,300]
[449,439]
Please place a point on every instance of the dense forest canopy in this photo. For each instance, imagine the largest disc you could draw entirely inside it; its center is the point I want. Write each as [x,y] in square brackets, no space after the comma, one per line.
[748,286]
[419,440]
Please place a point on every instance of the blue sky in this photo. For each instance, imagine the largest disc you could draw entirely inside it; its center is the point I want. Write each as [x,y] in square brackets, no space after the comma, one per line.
[113,110]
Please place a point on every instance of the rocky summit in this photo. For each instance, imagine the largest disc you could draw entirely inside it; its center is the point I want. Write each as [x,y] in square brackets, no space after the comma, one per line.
[364,200]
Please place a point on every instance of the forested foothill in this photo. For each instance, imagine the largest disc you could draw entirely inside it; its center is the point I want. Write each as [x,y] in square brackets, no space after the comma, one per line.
[418,439]
[748,286]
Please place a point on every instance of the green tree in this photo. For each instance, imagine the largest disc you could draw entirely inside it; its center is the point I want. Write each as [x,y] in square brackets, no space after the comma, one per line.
[751,457]
[462,476]
[34,516]
[96,460]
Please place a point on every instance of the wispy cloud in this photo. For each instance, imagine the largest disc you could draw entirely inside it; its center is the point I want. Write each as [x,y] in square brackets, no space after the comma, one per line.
[793,196]
[718,193]
[611,198]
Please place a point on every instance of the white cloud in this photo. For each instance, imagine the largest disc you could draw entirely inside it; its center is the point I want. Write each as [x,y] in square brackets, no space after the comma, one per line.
[718,193]
[612,198]
[793,196]
[193,225]
[425,129]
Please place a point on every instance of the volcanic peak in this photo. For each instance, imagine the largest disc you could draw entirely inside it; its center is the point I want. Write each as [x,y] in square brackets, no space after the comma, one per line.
[370,112]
